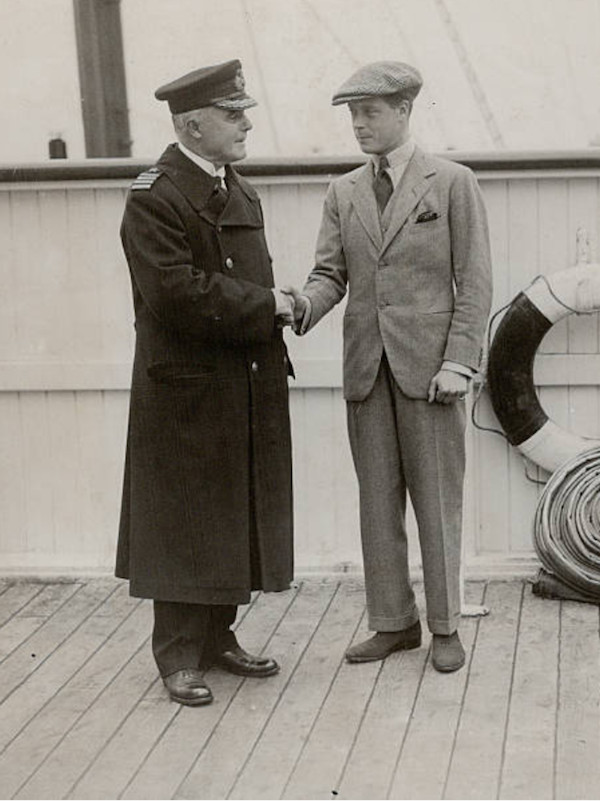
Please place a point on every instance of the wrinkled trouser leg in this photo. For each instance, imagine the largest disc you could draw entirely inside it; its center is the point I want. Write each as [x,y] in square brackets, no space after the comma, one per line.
[399,444]
[190,635]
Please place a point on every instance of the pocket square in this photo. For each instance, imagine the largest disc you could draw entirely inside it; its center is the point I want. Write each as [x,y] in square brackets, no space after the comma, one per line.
[427,216]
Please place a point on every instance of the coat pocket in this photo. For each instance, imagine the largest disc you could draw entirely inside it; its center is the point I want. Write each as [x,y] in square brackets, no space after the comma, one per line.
[175,372]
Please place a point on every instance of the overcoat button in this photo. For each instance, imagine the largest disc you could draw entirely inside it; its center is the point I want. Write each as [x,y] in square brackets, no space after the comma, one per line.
[254,367]
[229,263]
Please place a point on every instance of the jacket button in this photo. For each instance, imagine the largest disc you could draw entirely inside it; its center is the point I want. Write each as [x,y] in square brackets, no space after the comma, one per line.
[229,263]
[254,367]
[219,228]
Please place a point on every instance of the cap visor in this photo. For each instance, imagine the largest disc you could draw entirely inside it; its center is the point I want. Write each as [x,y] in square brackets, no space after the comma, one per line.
[338,100]
[236,103]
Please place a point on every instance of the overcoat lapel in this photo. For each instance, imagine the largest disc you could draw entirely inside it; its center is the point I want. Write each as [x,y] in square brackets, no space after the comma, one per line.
[195,184]
[414,184]
[242,206]
[363,199]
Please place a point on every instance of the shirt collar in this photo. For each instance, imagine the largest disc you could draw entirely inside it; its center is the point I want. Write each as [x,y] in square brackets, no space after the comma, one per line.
[205,165]
[398,157]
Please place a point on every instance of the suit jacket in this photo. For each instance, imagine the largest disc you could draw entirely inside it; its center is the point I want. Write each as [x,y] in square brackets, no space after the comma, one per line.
[420,290]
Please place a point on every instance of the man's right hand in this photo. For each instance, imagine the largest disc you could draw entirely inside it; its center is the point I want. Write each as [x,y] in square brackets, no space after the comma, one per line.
[284,307]
[302,308]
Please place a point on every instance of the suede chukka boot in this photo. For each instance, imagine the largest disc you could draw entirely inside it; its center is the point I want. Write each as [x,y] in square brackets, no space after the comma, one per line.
[188,687]
[384,643]
[447,654]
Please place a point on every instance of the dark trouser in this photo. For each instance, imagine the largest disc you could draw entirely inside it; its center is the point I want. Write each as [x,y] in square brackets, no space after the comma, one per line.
[190,635]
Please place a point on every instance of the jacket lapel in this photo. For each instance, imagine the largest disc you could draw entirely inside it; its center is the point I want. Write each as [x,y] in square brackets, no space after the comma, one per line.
[363,200]
[414,184]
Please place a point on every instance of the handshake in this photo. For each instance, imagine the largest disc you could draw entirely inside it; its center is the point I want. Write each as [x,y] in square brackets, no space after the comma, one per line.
[291,308]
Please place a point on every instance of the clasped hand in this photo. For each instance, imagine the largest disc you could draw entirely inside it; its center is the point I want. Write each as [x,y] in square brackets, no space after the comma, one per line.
[290,306]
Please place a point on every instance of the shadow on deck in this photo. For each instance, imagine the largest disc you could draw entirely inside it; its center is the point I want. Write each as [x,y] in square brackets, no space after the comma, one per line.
[83,714]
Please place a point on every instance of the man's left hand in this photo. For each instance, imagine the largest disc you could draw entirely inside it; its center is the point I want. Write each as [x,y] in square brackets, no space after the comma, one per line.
[448,387]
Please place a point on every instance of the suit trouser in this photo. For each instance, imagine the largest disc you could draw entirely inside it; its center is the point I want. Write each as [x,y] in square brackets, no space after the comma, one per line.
[398,444]
[190,635]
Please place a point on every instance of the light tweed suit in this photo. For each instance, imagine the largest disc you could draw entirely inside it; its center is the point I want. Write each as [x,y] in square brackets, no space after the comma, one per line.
[419,293]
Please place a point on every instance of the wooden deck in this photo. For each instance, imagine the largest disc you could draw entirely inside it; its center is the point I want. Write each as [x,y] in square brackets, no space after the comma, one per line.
[83,714]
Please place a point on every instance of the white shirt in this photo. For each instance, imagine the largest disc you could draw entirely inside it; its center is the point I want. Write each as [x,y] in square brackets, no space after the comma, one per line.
[398,160]
[205,165]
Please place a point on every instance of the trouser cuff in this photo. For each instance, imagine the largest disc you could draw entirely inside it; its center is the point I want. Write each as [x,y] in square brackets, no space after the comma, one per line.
[444,627]
[399,623]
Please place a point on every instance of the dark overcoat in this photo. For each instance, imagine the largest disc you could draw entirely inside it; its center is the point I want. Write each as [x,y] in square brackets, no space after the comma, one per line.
[207,500]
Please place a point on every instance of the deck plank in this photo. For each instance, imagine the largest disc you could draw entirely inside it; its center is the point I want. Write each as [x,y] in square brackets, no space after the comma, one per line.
[124,753]
[373,758]
[117,637]
[87,716]
[217,768]
[480,736]
[179,745]
[14,597]
[271,763]
[425,755]
[32,616]
[578,731]
[371,762]
[75,751]
[528,768]
[34,672]
[321,764]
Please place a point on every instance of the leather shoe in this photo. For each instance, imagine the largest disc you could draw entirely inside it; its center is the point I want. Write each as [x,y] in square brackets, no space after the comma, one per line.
[236,660]
[188,687]
[384,643]
[447,652]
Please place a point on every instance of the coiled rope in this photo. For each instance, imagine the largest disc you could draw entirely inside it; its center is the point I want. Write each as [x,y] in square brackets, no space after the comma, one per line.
[566,529]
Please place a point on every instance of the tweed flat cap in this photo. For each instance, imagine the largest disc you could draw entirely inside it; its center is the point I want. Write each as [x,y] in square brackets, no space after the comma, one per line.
[221,85]
[379,79]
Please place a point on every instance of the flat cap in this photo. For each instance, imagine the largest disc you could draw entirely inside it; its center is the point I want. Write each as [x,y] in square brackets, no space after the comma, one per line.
[379,79]
[221,85]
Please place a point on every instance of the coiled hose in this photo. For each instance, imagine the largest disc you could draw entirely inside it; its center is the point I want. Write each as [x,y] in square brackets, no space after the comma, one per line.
[566,529]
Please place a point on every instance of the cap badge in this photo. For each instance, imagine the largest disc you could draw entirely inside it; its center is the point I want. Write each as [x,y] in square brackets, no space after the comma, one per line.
[240,83]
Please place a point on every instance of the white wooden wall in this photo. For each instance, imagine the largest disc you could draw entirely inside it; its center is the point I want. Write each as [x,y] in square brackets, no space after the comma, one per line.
[66,341]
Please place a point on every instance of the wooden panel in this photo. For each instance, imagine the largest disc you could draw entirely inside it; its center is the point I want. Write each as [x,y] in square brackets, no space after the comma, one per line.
[553,244]
[66,347]
[584,213]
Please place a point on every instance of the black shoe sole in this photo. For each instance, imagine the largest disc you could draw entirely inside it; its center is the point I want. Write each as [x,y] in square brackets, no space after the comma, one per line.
[248,674]
[405,646]
[192,701]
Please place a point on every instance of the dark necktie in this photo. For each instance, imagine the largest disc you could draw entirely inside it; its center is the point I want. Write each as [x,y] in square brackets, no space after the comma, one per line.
[382,185]
[219,196]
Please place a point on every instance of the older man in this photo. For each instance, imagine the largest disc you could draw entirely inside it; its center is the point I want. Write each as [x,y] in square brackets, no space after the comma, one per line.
[207,501]
[407,234]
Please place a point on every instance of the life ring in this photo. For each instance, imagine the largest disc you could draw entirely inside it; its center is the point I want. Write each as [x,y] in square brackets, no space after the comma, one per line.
[510,367]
